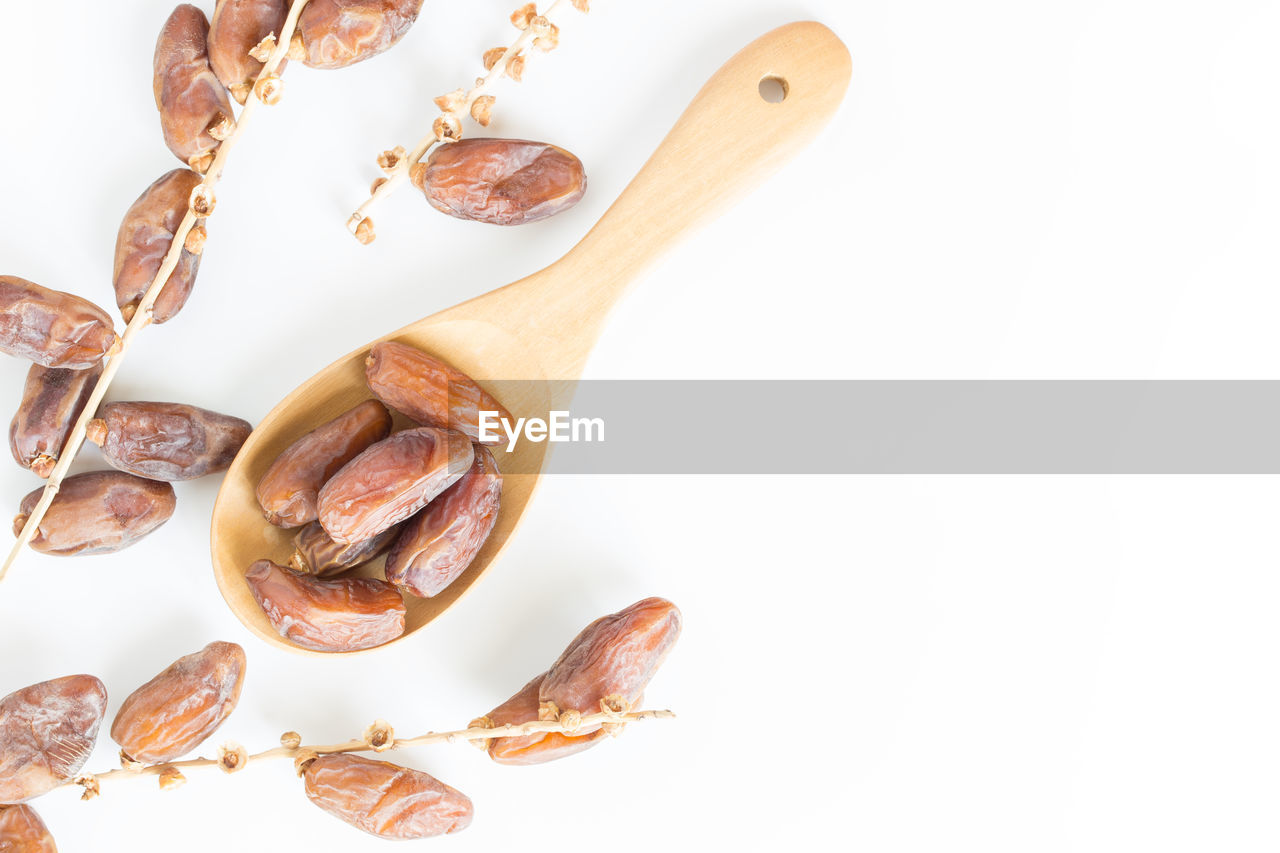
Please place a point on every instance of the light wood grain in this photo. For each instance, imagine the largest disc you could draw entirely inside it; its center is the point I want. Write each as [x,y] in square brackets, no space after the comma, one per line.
[541,329]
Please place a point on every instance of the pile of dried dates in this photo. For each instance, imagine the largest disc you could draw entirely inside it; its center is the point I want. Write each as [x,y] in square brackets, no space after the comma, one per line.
[149,445]
[48,730]
[426,496]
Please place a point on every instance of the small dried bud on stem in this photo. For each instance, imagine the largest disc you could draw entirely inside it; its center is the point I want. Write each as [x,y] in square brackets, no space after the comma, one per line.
[196,239]
[170,778]
[389,160]
[291,740]
[262,51]
[364,231]
[202,202]
[303,760]
[380,736]
[522,17]
[232,757]
[222,127]
[90,784]
[269,89]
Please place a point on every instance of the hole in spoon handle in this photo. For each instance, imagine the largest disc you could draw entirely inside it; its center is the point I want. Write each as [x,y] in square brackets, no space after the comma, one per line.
[725,143]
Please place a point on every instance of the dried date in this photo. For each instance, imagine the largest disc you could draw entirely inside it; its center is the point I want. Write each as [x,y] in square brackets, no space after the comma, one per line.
[195,112]
[338,33]
[52,328]
[22,831]
[611,661]
[97,513]
[439,543]
[500,181]
[144,238]
[167,441]
[237,27]
[52,399]
[289,489]
[427,390]
[177,710]
[391,481]
[317,554]
[333,615]
[384,799]
[47,731]
[537,748]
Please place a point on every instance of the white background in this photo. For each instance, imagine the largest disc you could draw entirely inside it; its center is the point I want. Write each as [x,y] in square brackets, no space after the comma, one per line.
[1082,189]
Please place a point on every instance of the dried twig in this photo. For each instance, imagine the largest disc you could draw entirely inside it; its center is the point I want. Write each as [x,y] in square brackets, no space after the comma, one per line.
[379,737]
[536,30]
[267,89]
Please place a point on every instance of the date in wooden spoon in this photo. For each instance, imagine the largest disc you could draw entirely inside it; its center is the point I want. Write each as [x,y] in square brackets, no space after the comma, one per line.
[542,327]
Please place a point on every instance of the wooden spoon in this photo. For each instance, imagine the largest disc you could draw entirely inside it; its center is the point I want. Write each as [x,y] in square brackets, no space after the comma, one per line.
[543,326]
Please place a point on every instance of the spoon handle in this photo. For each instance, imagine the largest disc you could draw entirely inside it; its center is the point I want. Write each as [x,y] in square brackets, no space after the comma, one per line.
[726,142]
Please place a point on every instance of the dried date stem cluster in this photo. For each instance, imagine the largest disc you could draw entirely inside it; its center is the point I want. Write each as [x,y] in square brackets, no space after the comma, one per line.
[49,729]
[537,31]
[267,90]
[379,737]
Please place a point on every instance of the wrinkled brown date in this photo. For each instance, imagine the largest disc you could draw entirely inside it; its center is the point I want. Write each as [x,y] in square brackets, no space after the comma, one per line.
[167,441]
[385,799]
[177,710]
[287,492]
[52,399]
[334,615]
[22,831]
[537,748]
[440,542]
[391,481]
[47,731]
[237,27]
[97,513]
[500,181]
[316,554]
[338,33]
[195,112]
[611,661]
[52,328]
[428,390]
[144,239]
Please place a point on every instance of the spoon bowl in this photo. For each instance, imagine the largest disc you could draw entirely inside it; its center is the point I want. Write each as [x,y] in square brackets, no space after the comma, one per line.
[540,329]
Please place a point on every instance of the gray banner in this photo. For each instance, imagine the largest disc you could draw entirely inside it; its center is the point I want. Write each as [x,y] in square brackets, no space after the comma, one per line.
[917,427]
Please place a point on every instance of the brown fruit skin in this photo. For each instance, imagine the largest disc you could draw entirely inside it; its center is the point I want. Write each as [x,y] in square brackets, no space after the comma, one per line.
[289,490]
[338,33]
[384,799]
[236,28]
[429,391]
[334,615]
[52,399]
[188,94]
[391,481]
[177,710]
[47,731]
[613,658]
[535,748]
[97,513]
[52,328]
[144,238]
[438,544]
[167,441]
[501,181]
[22,831]
[316,554]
